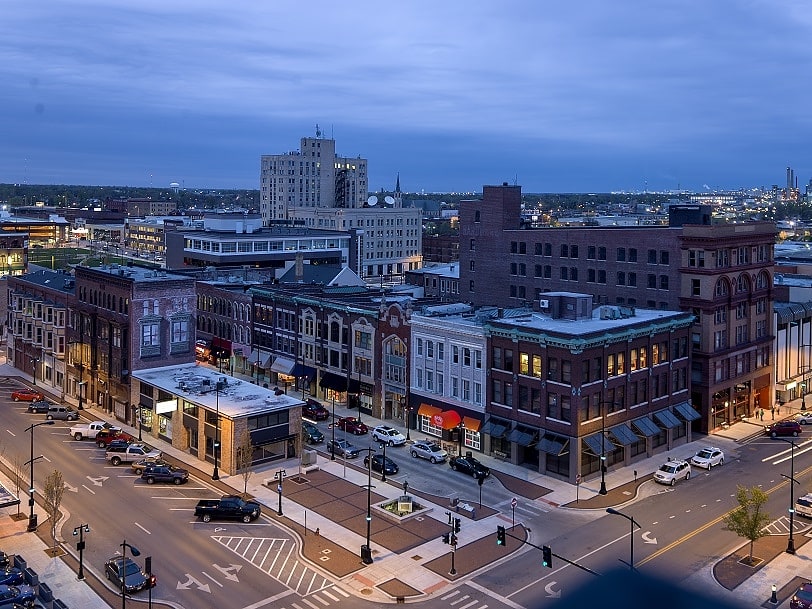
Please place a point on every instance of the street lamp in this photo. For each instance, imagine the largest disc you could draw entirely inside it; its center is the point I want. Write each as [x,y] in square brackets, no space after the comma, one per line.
[792,481]
[35,361]
[215,475]
[366,551]
[333,428]
[80,531]
[407,411]
[32,518]
[603,491]
[359,396]
[279,476]
[383,465]
[81,368]
[461,433]
[123,572]
[632,524]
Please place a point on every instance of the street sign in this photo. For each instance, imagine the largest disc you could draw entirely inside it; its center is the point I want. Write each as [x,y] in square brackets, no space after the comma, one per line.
[578,479]
[513,502]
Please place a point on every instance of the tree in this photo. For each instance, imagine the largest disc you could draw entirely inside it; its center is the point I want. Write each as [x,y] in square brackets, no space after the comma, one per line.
[245,458]
[748,520]
[18,477]
[54,489]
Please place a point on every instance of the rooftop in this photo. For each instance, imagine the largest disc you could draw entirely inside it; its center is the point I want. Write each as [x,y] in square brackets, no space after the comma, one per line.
[198,384]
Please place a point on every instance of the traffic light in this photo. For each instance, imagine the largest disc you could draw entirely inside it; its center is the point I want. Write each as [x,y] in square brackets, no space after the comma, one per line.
[456,525]
[453,539]
[500,535]
[546,557]
[446,537]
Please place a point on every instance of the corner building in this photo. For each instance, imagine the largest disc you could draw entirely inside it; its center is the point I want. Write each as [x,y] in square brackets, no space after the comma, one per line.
[721,273]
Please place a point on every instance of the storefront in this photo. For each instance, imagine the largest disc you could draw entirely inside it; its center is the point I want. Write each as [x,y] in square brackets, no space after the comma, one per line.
[455,430]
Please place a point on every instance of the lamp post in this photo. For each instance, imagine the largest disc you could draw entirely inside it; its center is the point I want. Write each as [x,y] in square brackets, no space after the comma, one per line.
[792,482]
[333,428]
[80,531]
[122,573]
[35,361]
[602,490]
[279,476]
[407,411]
[32,518]
[358,396]
[366,551]
[382,445]
[215,475]
[461,433]
[632,523]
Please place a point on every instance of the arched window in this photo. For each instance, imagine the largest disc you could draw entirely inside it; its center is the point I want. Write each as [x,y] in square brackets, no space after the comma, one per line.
[722,287]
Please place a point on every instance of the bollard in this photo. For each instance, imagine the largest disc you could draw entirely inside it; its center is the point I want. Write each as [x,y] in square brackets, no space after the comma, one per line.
[774,597]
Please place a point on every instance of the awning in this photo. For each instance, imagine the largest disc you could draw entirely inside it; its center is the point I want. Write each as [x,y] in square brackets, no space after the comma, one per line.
[301,370]
[220,353]
[7,498]
[495,428]
[448,419]
[333,381]
[521,436]
[471,424]
[623,434]
[598,446]
[687,412]
[266,361]
[646,426]
[667,418]
[552,444]
[426,410]
[282,365]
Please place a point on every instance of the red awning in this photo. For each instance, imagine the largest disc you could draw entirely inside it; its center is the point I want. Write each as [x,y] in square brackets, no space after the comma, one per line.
[447,420]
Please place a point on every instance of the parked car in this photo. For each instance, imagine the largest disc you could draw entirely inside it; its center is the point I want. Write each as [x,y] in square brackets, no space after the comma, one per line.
[381,463]
[62,413]
[11,576]
[80,431]
[804,418]
[105,436]
[428,450]
[314,410]
[311,433]
[130,453]
[17,596]
[139,466]
[803,505]
[783,428]
[388,435]
[802,599]
[26,395]
[352,425]
[708,457]
[342,448]
[40,406]
[165,473]
[469,465]
[228,507]
[119,568]
[672,471]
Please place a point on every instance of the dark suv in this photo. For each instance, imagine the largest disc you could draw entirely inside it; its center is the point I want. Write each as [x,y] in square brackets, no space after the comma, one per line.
[164,473]
[314,410]
[40,406]
[783,428]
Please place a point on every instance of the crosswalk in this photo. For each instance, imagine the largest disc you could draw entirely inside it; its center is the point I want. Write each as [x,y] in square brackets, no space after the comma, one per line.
[318,600]
[279,559]
[459,600]
[780,526]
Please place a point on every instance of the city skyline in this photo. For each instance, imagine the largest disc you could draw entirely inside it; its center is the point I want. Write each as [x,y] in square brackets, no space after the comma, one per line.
[577,98]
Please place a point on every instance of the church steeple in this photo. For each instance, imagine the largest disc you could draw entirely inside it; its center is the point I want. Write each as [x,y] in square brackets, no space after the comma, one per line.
[398,194]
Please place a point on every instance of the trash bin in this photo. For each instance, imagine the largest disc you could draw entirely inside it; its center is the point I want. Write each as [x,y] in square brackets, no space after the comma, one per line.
[366,554]
[45,594]
[19,562]
[31,577]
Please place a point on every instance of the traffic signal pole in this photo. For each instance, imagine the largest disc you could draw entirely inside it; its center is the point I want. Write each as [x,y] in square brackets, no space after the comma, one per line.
[547,553]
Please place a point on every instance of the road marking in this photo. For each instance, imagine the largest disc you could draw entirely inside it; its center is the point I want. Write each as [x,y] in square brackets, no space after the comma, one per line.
[269,600]
[473,602]
[212,579]
[495,596]
[312,605]
[459,600]
[89,490]
[448,596]
[142,528]
[330,596]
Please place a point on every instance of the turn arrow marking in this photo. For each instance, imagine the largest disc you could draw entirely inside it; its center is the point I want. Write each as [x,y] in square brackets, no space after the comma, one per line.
[550,592]
[647,538]
[229,572]
[191,580]
[97,481]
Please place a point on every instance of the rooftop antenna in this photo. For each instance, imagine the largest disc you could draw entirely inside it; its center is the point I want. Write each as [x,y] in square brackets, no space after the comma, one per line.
[516,179]
[318,131]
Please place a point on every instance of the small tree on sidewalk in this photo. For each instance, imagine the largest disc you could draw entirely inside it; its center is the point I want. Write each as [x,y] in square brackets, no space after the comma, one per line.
[748,520]
[54,489]
[18,478]
[245,458]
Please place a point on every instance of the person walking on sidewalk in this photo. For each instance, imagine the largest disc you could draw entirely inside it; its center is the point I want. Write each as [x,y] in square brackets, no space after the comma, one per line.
[761,414]
[773,413]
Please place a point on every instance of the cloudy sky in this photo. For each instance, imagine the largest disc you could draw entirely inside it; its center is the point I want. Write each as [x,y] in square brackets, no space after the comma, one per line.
[589,96]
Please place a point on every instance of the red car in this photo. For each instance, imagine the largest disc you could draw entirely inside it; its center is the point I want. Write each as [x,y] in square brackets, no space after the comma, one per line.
[783,428]
[352,425]
[105,436]
[314,410]
[26,395]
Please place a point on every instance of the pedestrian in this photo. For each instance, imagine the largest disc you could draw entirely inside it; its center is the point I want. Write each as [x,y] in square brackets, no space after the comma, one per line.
[773,413]
[778,411]
[761,412]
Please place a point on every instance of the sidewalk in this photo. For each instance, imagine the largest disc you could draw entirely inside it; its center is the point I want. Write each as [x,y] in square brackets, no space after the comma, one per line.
[394,574]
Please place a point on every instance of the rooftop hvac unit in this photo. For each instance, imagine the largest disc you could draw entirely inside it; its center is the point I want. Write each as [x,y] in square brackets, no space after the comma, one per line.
[544,304]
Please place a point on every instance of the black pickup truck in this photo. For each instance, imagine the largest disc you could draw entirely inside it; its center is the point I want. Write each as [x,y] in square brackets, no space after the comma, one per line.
[228,507]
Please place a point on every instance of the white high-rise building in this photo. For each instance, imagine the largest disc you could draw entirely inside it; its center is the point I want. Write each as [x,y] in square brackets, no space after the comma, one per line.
[310,177]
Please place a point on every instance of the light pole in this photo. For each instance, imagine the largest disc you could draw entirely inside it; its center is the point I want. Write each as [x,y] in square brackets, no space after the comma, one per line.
[333,428]
[358,396]
[215,475]
[32,518]
[602,491]
[80,531]
[632,524]
[80,366]
[279,476]
[461,432]
[366,551]
[123,572]
[407,411]
[383,465]
[792,481]
[35,361]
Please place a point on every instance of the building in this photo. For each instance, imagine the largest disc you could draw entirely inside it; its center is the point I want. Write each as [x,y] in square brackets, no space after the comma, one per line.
[203,409]
[147,236]
[149,207]
[313,176]
[437,280]
[237,240]
[722,273]
[224,324]
[441,248]
[127,319]
[13,253]
[39,303]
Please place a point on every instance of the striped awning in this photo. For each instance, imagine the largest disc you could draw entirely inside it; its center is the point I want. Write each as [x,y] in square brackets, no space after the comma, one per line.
[646,426]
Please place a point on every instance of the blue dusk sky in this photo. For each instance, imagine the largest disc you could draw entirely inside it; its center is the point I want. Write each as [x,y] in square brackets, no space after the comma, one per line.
[589,96]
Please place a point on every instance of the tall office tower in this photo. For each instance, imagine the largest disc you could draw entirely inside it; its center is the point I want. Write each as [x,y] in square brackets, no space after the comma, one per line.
[310,177]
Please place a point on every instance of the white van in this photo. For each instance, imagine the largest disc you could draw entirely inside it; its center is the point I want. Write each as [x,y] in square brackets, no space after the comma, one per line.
[803,505]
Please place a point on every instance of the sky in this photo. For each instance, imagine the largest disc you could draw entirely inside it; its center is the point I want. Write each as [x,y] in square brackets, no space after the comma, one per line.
[588,96]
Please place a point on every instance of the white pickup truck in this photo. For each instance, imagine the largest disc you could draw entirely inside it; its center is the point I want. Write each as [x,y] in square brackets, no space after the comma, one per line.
[87,431]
